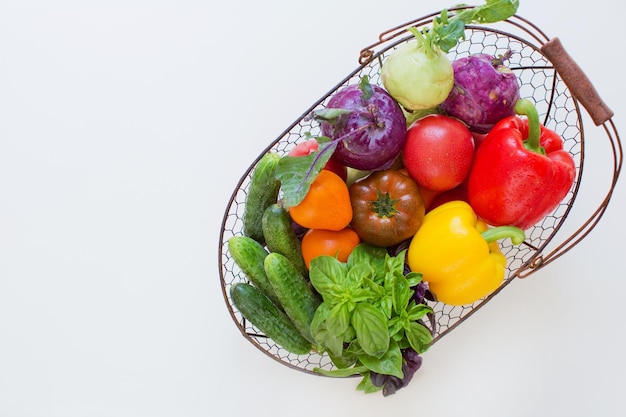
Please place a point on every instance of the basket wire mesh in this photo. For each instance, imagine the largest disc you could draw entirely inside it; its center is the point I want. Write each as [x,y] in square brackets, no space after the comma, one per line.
[560,109]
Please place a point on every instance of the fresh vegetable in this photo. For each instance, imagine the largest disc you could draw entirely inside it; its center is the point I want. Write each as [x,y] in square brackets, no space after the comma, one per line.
[387,207]
[281,237]
[326,204]
[294,292]
[262,191]
[411,363]
[310,146]
[418,74]
[257,308]
[485,91]
[457,193]
[318,242]
[368,315]
[366,125]
[521,171]
[458,254]
[249,255]
[438,152]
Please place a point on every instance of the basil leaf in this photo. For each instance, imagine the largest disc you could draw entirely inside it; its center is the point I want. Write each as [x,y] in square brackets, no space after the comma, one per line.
[367,386]
[389,364]
[346,359]
[371,330]
[417,311]
[356,275]
[327,276]
[369,254]
[342,373]
[338,319]
[400,293]
[414,278]
[395,264]
[419,337]
[318,323]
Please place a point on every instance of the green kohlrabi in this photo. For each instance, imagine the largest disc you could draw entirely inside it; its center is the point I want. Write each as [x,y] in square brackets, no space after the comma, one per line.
[419,74]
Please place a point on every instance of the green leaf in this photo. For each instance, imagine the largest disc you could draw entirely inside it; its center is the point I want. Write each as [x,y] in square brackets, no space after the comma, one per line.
[419,337]
[318,323]
[389,364]
[446,33]
[414,278]
[341,373]
[395,264]
[395,325]
[366,88]
[370,254]
[400,292]
[327,275]
[297,173]
[338,319]
[366,385]
[490,12]
[346,359]
[331,116]
[417,311]
[356,276]
[370,326]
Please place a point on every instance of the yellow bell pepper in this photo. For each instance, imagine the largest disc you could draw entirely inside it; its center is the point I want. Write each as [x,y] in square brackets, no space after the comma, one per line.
[458,253]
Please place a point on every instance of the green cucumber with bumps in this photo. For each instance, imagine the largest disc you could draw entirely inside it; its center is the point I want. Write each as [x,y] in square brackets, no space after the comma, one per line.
[262,191]
[257,308]
[280,236]
[249,255]
[294,291]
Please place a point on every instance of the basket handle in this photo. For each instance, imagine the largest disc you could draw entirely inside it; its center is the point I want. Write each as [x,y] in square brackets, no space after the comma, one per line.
[576,80]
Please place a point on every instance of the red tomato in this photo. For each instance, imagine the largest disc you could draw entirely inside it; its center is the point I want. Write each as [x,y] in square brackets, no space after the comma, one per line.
[438,152]
[311,145]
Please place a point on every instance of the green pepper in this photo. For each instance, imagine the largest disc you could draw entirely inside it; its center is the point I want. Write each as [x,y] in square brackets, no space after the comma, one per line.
[458,254]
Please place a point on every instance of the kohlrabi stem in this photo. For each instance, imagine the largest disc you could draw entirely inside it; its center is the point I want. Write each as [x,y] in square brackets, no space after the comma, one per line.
[527,108]
[516,234]
[423,41]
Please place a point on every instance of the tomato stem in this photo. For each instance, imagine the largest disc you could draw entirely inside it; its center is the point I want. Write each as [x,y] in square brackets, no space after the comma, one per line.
[384,205]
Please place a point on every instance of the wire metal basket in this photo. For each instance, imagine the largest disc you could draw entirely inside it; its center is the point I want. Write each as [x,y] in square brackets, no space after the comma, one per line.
[547,75]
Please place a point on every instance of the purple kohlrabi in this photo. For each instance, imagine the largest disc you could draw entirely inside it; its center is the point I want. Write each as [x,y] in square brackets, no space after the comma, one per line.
[367,124]
[485,91]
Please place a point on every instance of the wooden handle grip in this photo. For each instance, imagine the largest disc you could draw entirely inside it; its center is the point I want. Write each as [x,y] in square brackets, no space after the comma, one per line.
[577,81]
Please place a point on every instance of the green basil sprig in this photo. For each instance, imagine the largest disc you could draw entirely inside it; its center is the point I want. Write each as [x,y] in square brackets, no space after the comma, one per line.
[367,316]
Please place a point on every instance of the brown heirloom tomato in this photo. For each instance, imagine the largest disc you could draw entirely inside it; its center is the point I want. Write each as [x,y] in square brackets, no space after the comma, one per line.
[387,207]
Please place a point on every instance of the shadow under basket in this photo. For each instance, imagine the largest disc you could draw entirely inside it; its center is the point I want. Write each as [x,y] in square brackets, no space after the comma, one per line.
[548,76]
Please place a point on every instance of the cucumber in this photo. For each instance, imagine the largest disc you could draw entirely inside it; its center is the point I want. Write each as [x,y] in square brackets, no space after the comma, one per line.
[294,292]
[262,191]
[262,313]
[249,255]
[280,236]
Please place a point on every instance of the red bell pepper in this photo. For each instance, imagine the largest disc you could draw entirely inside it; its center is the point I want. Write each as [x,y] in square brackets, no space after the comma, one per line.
[520,172]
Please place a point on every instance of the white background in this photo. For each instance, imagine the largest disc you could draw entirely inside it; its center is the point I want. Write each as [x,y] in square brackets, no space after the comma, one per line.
[124,128]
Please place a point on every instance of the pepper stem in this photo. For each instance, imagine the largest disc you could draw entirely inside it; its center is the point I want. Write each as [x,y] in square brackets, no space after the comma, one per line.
[493,234]
[527,108]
